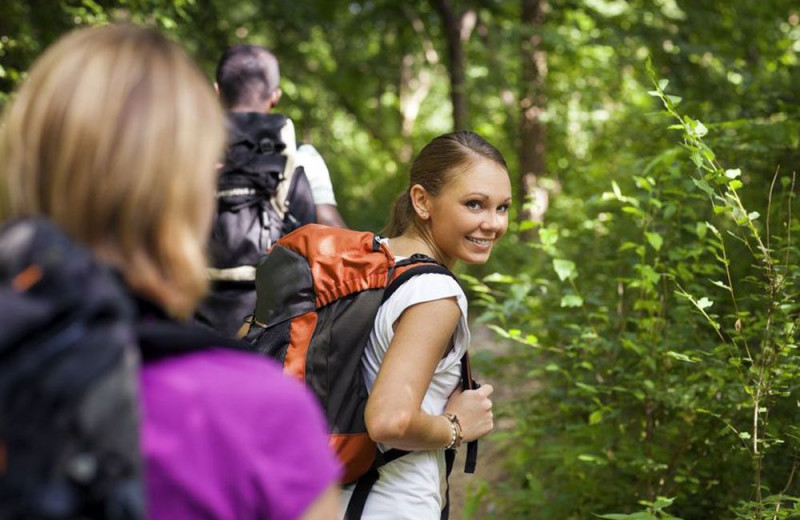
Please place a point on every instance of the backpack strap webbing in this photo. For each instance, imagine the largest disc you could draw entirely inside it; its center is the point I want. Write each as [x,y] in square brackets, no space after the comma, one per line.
[467,383]
[410,267]
[449,461]
[364,484]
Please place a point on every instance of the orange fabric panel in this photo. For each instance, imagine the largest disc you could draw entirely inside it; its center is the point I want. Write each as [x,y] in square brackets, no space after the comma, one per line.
[342,261]
[356,451]
[302,328]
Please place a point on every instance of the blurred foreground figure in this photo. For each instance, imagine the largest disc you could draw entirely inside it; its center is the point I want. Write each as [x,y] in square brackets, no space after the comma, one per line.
[107,181]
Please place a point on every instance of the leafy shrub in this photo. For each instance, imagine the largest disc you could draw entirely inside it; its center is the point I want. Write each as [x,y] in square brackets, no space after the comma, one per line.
[660,325]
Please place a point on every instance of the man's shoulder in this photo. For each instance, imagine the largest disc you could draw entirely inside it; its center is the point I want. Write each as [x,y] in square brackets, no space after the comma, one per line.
[308,152]
[312,162]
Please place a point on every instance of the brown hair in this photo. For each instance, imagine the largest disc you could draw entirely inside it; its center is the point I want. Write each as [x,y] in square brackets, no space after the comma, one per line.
[114,136]
[435,165]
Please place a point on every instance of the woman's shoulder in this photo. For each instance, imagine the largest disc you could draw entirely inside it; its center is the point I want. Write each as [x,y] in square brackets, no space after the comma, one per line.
[428,287]
[222,376]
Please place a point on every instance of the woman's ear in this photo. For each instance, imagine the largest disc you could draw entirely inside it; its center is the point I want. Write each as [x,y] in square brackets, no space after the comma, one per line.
[420,201]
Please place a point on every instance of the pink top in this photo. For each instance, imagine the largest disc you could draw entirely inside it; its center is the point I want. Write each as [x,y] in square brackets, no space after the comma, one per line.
[225,435]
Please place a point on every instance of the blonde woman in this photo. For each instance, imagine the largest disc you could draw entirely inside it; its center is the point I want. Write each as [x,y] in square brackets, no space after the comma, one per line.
[114,137]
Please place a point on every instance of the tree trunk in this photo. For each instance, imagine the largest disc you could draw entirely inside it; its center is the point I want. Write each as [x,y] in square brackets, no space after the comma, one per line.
[457,30]
[415,83]
[533,102]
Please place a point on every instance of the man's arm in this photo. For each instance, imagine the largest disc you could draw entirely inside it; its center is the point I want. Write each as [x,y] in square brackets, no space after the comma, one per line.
[321,187]
[328,214]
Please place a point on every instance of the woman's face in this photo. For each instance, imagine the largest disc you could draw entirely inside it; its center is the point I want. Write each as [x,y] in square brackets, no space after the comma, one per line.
[470,213]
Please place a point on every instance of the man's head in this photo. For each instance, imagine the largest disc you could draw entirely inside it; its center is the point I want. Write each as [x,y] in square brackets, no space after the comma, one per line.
[247,79]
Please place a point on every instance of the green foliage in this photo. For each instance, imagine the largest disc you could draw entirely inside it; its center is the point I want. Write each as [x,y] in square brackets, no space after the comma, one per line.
[677,375]
[652,318]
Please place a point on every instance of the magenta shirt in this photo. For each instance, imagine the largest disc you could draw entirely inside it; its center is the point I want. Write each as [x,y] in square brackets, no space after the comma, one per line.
[226,436]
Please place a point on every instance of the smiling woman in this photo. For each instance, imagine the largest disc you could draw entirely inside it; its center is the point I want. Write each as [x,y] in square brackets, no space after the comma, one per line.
[455,209]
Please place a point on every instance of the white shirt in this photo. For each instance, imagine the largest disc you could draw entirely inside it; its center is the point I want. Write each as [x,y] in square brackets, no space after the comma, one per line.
[317,173]
[412,487]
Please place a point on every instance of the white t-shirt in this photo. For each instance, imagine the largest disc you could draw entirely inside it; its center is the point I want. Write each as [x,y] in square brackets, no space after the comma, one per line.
[413,486]
[317,173]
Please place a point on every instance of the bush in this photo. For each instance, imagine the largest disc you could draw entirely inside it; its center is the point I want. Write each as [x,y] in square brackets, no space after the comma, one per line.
[660,322]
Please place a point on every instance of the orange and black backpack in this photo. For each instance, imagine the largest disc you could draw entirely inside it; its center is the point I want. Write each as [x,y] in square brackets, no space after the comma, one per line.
[318,291]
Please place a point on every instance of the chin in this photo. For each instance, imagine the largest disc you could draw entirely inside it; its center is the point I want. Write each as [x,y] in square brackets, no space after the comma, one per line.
[474,259]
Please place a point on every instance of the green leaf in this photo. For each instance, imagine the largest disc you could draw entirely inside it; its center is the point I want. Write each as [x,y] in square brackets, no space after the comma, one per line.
[548,236]
[700,229]
[720,284]
[680,357]
[704,303]
[655,240]
[571,300]
[703,185]
[596,416]
[699,129]
[753,215]
[641,515]
[499,278]
[615,188]
[662,502]
[525,225]
[499,331]
[565,269]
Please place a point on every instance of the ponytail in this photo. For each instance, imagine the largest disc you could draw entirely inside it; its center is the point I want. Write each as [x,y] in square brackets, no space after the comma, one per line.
[402,216]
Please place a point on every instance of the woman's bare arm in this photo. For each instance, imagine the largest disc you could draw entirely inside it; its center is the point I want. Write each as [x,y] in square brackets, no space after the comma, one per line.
[422,335]
[326,506]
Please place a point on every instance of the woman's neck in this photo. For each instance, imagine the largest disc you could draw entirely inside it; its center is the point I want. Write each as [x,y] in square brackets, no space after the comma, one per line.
[411,242]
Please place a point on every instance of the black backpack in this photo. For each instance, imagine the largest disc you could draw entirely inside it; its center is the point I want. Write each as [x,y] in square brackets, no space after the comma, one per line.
[71,340]
[261,196]
[69,443]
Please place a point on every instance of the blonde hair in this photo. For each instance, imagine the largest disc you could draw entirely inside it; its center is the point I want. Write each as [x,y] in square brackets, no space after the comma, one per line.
[114,136]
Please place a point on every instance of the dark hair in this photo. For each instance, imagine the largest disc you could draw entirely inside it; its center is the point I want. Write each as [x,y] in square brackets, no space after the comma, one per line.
[438,162]
[247,75]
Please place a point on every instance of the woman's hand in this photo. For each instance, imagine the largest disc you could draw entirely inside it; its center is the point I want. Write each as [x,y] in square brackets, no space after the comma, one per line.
[474,411]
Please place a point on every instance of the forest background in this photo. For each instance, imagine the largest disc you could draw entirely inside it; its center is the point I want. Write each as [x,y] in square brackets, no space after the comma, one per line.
[647,292]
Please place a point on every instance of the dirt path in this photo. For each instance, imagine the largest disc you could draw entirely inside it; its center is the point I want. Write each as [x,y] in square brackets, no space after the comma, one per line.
[468,492]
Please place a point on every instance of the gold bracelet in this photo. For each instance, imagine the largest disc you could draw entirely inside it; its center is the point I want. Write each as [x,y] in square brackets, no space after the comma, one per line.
[457,436]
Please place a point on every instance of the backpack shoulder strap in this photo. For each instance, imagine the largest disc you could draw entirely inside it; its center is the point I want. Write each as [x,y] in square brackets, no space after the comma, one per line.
[412,266]
[288,137]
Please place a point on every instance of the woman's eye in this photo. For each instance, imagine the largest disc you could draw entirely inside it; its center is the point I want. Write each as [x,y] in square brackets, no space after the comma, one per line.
[503,208]
[473,204]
